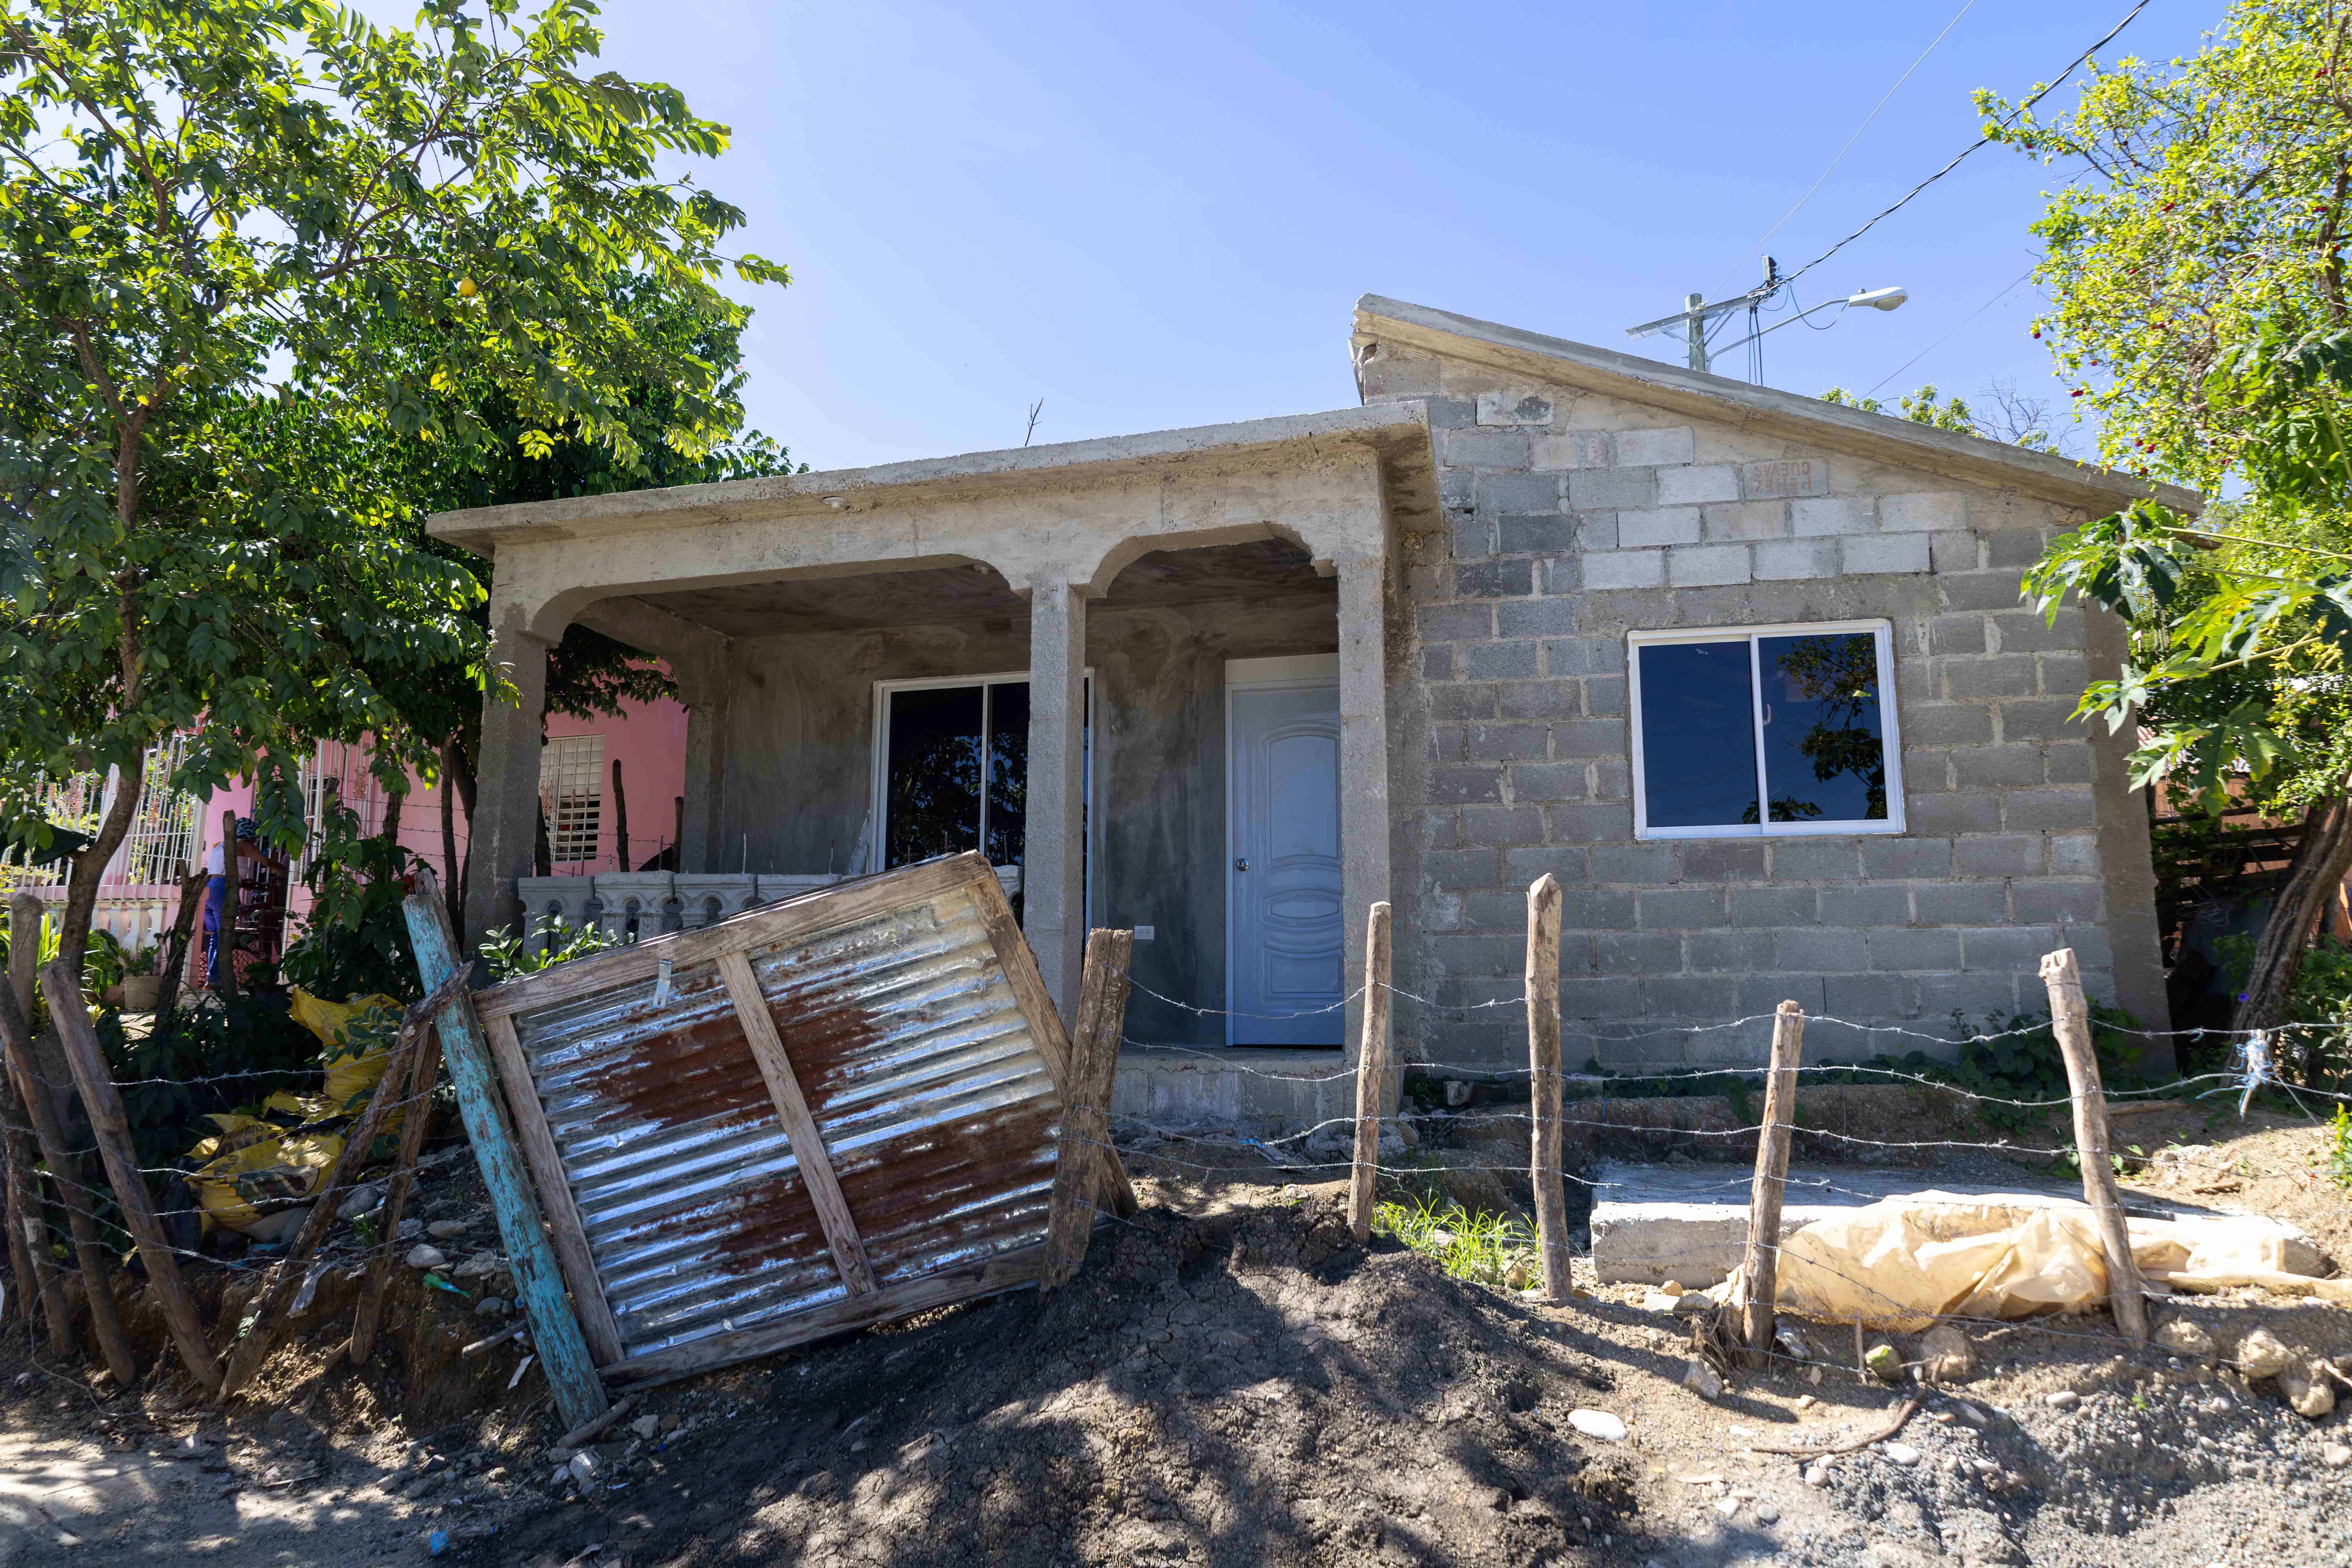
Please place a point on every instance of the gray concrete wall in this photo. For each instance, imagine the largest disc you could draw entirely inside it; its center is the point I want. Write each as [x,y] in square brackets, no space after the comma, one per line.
[799,748]
[1574,518]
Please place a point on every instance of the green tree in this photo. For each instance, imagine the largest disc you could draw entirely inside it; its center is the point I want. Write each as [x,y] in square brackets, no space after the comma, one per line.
[246,243]
[1920,408]
[2194,264]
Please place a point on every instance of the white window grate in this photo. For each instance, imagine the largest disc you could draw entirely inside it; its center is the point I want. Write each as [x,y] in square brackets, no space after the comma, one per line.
[163,836]
[336,772]
[572,796]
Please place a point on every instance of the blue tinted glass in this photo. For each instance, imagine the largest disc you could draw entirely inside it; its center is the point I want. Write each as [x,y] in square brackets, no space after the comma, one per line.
[1825,758]
[1698,735]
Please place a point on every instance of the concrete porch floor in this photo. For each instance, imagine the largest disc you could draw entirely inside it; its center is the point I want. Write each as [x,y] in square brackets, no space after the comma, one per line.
[1185,1085]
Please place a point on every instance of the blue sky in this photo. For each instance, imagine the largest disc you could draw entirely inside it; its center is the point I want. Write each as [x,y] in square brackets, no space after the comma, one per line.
[1160,215]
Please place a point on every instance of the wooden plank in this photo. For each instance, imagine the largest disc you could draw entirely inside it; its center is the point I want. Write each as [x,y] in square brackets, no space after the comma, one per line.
[1759,1275]
[1371,1076]
[555,1330]
[73,1191]
[572,1254]
[1113,1190]
[2069,1019]
[772,925]
[1085,1121]
[269,1312]
[1544,1085]
[800,1127]
[426,1073]
[102,1102]
[1010,1272]
[36,1264]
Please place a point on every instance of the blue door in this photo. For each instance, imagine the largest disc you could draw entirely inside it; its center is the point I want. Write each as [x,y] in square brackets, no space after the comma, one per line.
[1285,966]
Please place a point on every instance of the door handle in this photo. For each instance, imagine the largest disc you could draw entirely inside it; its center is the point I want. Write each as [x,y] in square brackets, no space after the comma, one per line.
[1241,865]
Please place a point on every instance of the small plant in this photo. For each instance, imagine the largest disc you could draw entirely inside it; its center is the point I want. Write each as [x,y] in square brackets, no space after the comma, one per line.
[559,941]
[142,962]
[2339,1149]
[1484,1249]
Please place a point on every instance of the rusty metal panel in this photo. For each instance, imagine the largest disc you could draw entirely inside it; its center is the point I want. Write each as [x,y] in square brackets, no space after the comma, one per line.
[936,1108]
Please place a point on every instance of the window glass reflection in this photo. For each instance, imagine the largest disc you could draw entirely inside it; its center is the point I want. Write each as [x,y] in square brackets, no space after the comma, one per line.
[1824,754]
[1698,734]
[934,780]
[1008,770]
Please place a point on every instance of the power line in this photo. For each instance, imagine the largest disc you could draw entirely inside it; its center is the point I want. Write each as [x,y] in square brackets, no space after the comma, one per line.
[2004,293]
[1849,141]
[1905,199]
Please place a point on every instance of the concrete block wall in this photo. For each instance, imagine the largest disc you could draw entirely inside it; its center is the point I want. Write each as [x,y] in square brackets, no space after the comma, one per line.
[1572,519]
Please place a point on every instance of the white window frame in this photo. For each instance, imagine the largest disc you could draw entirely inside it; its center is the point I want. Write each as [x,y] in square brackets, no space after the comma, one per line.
[1890,732]
[878,786]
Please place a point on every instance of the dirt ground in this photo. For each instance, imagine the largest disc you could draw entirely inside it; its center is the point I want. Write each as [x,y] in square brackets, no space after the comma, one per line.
[1230,1380]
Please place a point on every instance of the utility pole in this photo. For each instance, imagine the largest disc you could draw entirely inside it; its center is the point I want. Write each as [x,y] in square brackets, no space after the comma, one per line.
[1695,320]
[1697,315]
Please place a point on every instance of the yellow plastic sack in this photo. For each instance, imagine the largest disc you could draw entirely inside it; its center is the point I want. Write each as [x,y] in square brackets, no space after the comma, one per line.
[281,1156]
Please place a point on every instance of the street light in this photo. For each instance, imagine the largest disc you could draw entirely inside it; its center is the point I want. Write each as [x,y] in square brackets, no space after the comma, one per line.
[1695,315]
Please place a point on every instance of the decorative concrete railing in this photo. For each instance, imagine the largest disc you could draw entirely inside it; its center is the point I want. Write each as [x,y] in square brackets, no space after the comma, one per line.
[627,905]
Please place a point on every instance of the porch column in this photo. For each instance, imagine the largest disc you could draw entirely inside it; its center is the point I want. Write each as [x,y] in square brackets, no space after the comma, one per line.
[702,687]
[1053,877]
[1363,760]
[506,797]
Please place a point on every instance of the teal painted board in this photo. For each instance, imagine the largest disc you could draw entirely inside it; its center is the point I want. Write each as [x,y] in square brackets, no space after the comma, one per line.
[555,1329]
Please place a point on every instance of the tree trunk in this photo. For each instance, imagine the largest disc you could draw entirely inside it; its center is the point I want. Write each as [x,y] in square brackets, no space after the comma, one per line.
[89,868]
[620,818]
[2320,863]
[171,957]
[454,782]
[393,805]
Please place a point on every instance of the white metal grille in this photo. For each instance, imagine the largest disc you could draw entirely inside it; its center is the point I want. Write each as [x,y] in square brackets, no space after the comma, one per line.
[571,796]
[336,772]
[163,836]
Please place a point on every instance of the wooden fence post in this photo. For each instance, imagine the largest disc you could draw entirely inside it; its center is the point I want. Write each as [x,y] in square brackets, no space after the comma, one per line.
[1371,1074]
[34,1271]
[1545,1109]
[555,1332]
[1760,1274]
[111,1130]
[1095,1030]
[2069,1019]
[424,1073]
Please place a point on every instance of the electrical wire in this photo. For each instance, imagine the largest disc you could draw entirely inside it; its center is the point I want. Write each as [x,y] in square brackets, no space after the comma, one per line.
[1849,141]
[2014,114]
[2004,293]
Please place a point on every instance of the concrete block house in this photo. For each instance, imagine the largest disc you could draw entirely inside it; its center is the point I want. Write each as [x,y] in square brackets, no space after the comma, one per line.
[1746,671]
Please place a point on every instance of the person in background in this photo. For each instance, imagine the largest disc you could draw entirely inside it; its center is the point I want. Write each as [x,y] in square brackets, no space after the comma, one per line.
[218,916]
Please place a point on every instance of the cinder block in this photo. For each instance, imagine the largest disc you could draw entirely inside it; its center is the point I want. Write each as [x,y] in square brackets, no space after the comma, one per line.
[2010,948]
[1728,952]
[1914,950]
[1720,859]
[2014,767]
[1960,635]
[1543,700]
[1583,656]
[1981,590]
[1445,743]
[1657,526]
[1501,660]
[2056,903]
[1773,905]
[1453,700]
[1591,823]
[1524,864]
[2041,720]
[1884,859]
[1598,910]
[1503,826]
[1514,408]
[1953,814]
[1981,997]
[1536,533]
[1588,738]
[1961,903]
[1762,993]
[1923,513]
[1633,865]
[1947,724]
[1458,786]
[1952,552]
[1865,906]
[1680,909]
[1606,696]
[1885,552]
[1525,494]
[1607,998]
[1535,618]
[1437,663]
[1481,448]
[1693,484]
[2073,854]
[1746,520]
[1999,855]
[1612,779]
[1813,860]
[1637,953]
[2048,811]
[1506,742]
[2063,674]
[2014,547]
[1701,999]
[1625,569]
[1462,869]
[1795,558]
[1612,489]
[1471,537]
[2067,764]
[1494,580]
[1498,909]
[1706,565]
[1440,830]
[1478,955]
[1455,623]
[1872,998]
[1457,489]
[1569,450]
[1451,413]
[1648,449]
[1596,530]
[1820,949]
[2025,631]
[1997,675]
[1547,780]
[1831,515]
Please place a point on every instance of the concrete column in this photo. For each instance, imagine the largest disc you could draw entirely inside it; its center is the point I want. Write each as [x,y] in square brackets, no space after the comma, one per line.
[1053,877]
[1363,759]
[702,687]
[505,801]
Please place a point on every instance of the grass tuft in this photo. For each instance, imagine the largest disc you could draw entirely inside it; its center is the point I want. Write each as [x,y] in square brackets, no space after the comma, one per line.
[1484,1249]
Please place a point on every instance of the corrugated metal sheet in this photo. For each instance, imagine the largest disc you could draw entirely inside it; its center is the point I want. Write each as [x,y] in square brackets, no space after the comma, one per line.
[936,1110]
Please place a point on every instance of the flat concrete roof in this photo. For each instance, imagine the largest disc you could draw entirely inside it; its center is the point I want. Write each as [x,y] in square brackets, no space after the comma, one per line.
[1397,431]
[1883,438]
